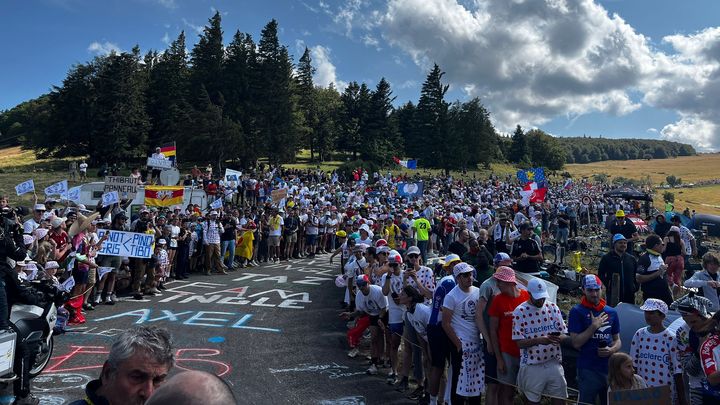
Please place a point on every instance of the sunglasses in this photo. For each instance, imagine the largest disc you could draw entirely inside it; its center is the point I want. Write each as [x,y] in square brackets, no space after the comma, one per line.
[383,253]
[468,274]
[413,256]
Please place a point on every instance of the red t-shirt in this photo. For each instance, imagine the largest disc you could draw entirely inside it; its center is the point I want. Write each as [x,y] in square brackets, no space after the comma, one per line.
[60,240]
[502,307]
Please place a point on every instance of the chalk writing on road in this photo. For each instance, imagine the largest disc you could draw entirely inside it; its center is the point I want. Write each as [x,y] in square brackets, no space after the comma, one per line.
[62,371]
[333,371]
[356,400]
[215,293]
[213,319]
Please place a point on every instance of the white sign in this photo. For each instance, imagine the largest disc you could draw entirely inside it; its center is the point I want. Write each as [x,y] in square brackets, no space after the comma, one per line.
[74,194]
[233,175]
[68,284]
[125,186]
[110,198]
[102,271]
[127,244]
[59,188]
[25,187]
[159,163]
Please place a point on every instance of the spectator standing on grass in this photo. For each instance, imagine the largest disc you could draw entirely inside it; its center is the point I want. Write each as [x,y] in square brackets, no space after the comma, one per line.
[688,239]
[651,271]
[655,353]
[526,250]
[595,331]
[662,226]
[617,262]
[673,257]
[83,170]
[625,227]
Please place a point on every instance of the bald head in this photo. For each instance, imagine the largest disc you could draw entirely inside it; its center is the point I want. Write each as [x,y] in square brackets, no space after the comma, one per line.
[193,388]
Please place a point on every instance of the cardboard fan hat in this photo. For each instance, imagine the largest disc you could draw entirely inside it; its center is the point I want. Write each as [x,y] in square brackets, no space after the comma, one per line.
[82,223]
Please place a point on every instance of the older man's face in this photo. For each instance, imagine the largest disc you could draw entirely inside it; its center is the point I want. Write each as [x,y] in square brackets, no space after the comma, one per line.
[134,381]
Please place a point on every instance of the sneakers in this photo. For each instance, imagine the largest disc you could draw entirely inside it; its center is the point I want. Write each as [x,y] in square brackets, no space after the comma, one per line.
[390,380]
[353,353]
[372,370]
[417,394]
[88,307]
[402,385]
[28,400]
[223,272]
[137,296]
[97,299]
[110,299]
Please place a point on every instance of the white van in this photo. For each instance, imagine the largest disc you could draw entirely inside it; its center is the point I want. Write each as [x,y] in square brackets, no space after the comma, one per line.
[90,194]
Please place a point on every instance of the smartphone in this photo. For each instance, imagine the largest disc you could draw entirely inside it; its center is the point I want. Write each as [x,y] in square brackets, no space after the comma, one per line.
[554,333]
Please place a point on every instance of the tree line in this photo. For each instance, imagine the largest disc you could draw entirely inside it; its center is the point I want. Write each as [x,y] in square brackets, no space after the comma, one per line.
[248,100]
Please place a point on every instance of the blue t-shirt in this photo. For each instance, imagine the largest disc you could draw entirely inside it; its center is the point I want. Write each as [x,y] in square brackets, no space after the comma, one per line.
[578,321]
[446,284]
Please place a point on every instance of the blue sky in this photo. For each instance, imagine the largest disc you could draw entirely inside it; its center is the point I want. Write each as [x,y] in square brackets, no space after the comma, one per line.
[633,68]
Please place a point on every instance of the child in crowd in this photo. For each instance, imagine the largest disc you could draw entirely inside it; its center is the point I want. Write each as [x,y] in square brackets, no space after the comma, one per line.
[621,374]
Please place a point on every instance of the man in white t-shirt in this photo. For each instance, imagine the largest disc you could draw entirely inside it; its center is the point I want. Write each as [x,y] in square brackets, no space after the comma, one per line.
[370,300]
[392,284]
[83,170]
[654,350]
[458,321]
[33,223]
[538,329]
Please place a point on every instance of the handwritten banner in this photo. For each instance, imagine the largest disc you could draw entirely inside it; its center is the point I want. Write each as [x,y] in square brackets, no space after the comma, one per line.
[126,244]
[159,163]
[125,186]
[25,187]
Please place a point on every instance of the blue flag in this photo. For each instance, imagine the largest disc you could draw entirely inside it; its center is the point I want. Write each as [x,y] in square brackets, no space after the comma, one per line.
[536,174]
[412,190]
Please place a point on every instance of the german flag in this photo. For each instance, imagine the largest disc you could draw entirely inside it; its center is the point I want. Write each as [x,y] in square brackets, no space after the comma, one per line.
[170,151]
[163,196]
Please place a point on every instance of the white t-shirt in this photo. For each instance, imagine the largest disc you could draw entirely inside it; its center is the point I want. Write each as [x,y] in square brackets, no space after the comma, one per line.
[531,322]
[276,224]
[419,319]
[425,277]
[655,356]
[174,233]
[395,311]
[463,304]
[373,303]
[655,262]
[30,226]
[83,167]
[312,226]
[354,268]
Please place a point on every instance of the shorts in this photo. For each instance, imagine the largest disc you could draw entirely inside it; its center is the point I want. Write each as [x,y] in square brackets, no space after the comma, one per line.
[80,276]
[396,328]
[547,378]
[490,367]
[438,346]
[311,239]
[291,238]
[110,261]
[273,241]
[512,365]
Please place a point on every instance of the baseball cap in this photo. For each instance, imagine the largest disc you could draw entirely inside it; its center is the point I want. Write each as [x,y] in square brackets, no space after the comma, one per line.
[501,257]
[504,273]
[213,213]
[383,249]
[162,242]
[362,280]
[414,250]
[654,304]
[537,288]
[462,268]
[591,282]
[380,242]
[394,257]
[56,222]
[451,259]
[618,237]
[620,213]
[39,207]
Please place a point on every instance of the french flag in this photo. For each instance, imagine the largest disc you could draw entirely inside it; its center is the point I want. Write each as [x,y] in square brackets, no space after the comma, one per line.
[568,184]
[410,164]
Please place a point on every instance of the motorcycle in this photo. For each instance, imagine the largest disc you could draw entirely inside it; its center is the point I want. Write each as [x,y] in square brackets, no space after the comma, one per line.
[34,325]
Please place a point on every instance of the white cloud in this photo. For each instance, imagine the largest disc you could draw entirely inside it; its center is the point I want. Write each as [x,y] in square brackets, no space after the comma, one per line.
[103,48]
[533,60]
[197,28]
[166,39]
[325,72]
[371,41]
[652,130]
[167,3]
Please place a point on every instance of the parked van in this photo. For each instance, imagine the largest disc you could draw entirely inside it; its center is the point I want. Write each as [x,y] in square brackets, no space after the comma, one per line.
[90,194]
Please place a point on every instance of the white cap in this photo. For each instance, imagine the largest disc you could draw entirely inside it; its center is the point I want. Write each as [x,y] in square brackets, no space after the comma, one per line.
[39,207]
[654,304]
[537,288]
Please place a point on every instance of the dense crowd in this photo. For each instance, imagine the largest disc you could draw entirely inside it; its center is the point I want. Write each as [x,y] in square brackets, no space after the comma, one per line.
[467,318]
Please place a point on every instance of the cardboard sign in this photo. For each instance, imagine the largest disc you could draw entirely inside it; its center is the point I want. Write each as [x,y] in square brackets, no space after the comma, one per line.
[127,244]
[278,195]
[646,396]
[125,186]
[233,175]
[159,163]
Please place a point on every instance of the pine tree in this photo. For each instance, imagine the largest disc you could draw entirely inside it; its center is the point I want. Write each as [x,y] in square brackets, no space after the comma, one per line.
[240,75]
[382,139]
[307,102]
[278,120]
[329,108]
[432,122]
[207,59]
[519,148]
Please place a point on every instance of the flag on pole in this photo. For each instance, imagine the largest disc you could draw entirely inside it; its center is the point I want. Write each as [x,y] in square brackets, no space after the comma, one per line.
[59,188]
[110,198]
[568,184]
[25,187]
[535,174]
[531,193]
[217,204]
[170,151]
[410,164]
[163,196]
[67,285]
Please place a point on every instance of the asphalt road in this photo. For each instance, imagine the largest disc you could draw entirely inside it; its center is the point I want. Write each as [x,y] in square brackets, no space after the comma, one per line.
[272,331]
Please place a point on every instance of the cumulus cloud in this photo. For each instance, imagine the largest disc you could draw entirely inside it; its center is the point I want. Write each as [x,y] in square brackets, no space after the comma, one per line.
[325,72]
[168,3]
[103,48]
